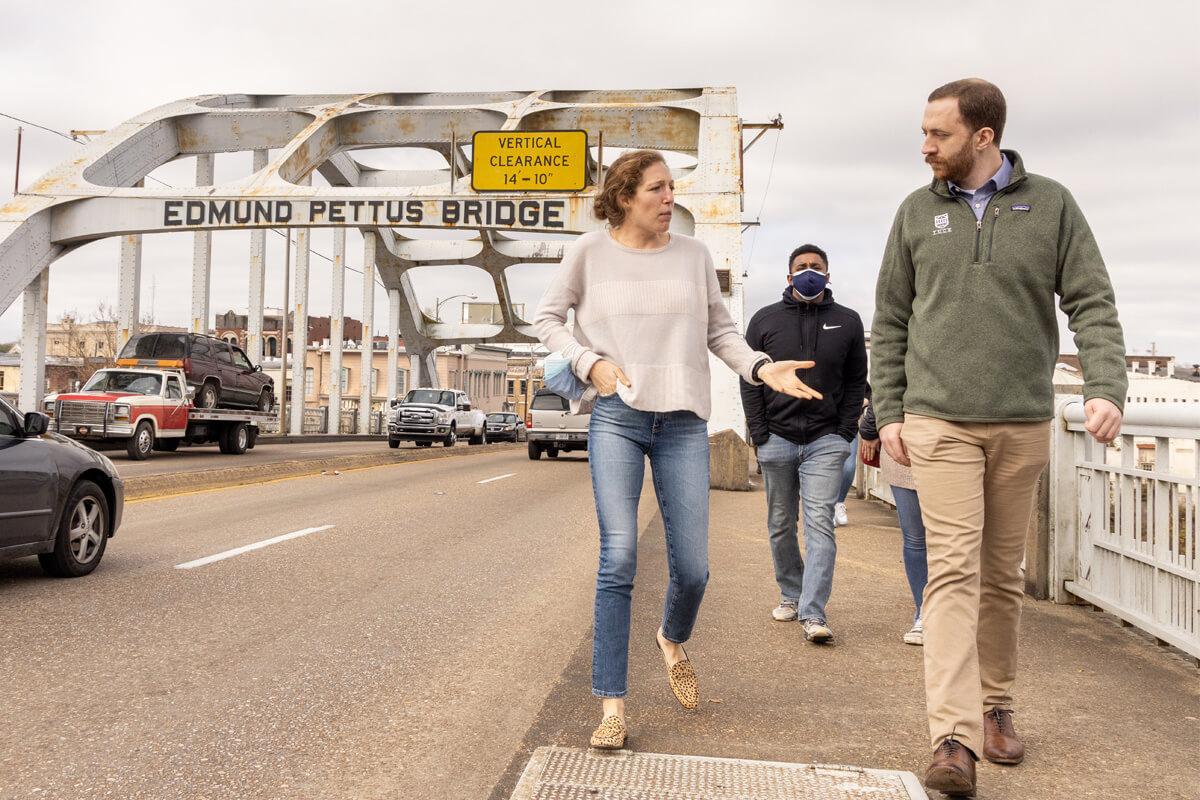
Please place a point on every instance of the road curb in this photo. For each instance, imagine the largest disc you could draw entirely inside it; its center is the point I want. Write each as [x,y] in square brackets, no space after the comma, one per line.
[143,487]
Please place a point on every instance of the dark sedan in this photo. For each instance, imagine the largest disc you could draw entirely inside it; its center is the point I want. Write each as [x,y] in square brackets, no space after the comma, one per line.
[503,426]
[59,500]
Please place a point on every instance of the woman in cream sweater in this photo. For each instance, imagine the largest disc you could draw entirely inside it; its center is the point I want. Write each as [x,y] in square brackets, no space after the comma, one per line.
[648,309]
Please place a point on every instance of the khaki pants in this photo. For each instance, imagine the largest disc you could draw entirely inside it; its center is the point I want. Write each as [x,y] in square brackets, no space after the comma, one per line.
[977,482]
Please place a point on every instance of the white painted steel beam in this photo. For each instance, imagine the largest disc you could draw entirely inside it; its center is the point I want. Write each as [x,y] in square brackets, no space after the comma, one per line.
[202,256]
[368,322]
[257,279]
[393,343]
[300,329]
[337,310]
[129,288]
[423,369]
[33,342]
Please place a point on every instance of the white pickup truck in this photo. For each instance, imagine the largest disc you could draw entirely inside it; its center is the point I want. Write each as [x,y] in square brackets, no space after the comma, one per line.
[552,428]
[426,416]
[149,408]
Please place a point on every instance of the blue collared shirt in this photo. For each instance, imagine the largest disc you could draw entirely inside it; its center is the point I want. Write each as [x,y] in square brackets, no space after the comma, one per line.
[980,197]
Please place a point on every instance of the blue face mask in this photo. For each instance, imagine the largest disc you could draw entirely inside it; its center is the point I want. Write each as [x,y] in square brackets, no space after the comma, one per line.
[809,283]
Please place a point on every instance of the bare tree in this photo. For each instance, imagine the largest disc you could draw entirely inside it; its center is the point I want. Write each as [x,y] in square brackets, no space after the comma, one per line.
[105,335]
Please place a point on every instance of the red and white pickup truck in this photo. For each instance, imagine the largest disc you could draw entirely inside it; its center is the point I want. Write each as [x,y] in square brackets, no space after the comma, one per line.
[150,408]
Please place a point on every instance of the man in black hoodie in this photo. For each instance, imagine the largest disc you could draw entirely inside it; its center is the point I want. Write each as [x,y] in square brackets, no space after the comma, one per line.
[802,444]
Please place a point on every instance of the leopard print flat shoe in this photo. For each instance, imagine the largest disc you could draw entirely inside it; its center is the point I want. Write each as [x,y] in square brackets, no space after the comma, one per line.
[610,735]
[682,678]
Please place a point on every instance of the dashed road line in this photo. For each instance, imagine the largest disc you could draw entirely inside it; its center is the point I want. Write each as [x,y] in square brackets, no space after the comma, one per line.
[237,551]
[498,478]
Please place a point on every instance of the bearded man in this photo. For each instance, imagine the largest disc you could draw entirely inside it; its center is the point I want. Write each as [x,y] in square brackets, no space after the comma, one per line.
[963,348]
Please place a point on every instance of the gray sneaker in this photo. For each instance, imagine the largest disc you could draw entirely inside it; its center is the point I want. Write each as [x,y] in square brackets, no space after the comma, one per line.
[785,611]
[916,634]
[817,632]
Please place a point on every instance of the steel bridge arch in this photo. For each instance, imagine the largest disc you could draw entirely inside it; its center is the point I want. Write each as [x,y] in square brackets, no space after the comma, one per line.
[102,193]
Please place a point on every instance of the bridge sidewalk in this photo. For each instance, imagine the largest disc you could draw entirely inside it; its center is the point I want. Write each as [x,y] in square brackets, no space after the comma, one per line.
[1104,712]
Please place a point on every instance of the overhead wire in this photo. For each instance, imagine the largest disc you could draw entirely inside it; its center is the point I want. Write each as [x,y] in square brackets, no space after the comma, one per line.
[763,204]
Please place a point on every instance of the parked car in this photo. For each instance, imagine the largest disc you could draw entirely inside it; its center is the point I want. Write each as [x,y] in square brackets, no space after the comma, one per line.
[504,426]
[59,500]
[220,373]
[426,416]
[552,428]
[149,409]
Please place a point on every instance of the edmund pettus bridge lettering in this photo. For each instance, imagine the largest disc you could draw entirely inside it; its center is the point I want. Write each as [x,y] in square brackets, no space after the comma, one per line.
[278,213]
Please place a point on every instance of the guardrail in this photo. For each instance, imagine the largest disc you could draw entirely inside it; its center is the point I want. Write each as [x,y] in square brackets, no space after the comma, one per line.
[1123,534]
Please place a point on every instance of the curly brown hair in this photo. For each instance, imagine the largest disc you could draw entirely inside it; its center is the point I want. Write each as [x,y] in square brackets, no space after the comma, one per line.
[621,180]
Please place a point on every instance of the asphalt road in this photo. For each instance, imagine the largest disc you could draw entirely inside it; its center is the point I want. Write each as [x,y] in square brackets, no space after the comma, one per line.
[427,627]
[403,651]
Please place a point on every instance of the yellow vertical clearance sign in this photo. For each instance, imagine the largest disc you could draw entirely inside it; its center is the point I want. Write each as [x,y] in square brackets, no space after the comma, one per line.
[529,161]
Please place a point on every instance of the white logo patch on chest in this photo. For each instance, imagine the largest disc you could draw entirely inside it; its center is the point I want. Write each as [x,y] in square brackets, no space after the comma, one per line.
[942,221]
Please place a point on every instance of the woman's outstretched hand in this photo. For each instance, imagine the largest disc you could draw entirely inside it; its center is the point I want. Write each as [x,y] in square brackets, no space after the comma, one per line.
[781,376]
[605,375]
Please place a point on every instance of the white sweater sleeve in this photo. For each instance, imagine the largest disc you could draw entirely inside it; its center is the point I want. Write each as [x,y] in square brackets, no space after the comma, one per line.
[561,296]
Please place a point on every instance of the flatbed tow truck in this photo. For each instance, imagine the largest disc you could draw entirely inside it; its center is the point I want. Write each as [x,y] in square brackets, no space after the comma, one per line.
[149,407]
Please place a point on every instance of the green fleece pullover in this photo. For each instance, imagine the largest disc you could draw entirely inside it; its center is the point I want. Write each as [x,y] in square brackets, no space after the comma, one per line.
[965,327]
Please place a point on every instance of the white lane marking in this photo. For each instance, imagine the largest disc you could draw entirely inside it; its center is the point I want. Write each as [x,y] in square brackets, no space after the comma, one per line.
[237,551]
[498,477]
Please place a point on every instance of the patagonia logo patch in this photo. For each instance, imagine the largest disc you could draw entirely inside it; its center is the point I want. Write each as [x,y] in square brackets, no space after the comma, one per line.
[1022,207]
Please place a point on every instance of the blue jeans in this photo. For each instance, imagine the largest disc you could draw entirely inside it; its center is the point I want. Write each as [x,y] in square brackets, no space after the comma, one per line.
[848,470]
[619,440]
[912,530]
[813,472]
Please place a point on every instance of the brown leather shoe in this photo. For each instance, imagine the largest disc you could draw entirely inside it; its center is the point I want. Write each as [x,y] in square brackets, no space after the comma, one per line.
[952,771]
[1001,745]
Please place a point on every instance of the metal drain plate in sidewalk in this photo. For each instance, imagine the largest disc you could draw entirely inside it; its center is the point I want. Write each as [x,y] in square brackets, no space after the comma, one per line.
[564,773]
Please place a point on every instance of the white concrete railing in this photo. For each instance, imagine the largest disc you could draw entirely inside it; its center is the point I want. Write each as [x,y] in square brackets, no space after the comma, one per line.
[1124,537]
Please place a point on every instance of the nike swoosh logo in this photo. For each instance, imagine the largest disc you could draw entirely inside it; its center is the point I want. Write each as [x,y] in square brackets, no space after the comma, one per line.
[830,327]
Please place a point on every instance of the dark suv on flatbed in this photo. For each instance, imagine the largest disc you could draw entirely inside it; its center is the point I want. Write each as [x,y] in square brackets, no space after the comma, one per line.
[220,372]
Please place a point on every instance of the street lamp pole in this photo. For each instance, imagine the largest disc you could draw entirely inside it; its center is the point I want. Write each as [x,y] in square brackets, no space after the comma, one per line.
[437,308]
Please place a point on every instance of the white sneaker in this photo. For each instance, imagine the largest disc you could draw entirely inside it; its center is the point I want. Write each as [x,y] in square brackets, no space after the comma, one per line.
[785,611]
[916,634]
[817,631]
[839,515]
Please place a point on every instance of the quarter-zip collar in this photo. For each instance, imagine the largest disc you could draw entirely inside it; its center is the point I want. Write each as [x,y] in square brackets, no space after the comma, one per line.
[942,189]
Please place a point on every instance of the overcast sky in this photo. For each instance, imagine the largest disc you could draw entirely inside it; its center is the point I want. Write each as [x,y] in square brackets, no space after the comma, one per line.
[1102,96]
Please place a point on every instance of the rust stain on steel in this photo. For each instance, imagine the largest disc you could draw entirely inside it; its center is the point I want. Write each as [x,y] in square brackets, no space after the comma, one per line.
[15,206]
[352,125]
[189,140]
